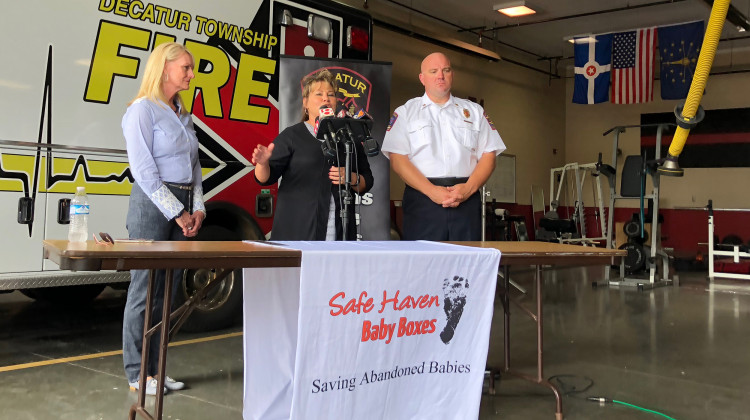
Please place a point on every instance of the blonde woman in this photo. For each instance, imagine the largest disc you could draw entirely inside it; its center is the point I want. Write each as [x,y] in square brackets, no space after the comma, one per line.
[166,202]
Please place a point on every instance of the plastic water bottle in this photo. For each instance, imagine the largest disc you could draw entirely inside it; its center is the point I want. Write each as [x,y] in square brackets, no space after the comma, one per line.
[79,217]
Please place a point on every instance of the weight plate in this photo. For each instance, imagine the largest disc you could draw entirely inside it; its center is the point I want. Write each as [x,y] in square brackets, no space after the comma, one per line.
[632,229]
[635,260]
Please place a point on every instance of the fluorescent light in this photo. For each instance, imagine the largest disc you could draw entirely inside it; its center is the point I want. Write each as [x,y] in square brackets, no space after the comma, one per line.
[514,8]
[583,40]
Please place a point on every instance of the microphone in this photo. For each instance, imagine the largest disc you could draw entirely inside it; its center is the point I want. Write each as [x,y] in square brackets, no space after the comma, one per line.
[328,141]
[362,114]
[372,148]
[326,111]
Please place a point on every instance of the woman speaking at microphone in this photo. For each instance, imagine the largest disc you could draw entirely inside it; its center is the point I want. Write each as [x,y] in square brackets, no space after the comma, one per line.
[309,201]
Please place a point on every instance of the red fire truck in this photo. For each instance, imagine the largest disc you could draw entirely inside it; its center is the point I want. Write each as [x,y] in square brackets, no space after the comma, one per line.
[70,68]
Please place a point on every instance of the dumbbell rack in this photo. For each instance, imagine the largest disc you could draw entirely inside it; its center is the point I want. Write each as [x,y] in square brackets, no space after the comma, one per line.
[657,253]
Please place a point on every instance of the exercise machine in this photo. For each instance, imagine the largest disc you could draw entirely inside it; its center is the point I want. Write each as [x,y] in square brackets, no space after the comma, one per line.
[573,229]
[656,268]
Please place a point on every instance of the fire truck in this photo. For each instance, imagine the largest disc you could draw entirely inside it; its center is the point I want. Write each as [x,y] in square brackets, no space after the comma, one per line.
[70,68]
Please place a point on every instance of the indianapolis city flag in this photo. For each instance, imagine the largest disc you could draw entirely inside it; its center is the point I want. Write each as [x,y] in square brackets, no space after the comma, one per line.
[679,46]
[633,66]
[593,57]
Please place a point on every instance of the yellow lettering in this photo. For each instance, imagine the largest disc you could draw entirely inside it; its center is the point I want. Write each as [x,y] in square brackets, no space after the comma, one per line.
[361,86]
[246,87]
[171,19]
[247,38]
[135,14]
[161,11]
[236,34]
[148,13]
[106,5]
[272,42]
[184,21]
[108,63]
[201,23]
[208,83]
[162,38]
[211,27]
[121,8]
[258,41]
[225,31]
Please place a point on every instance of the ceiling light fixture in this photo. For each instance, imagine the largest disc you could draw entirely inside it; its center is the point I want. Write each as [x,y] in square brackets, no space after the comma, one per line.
[514,8]
[580,39]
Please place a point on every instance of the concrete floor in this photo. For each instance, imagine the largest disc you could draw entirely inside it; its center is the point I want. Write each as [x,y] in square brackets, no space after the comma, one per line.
[682,351]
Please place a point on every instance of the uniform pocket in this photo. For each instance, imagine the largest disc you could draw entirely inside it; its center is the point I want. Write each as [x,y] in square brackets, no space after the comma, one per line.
[467,135]
[419,134]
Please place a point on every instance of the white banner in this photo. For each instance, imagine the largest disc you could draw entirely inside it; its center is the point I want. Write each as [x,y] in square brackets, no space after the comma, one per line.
[395,330]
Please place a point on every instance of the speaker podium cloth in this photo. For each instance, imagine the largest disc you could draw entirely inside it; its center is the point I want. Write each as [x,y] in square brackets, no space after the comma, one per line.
[392,329]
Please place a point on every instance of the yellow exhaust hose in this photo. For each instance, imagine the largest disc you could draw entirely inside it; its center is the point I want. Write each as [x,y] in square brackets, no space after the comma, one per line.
[698,85]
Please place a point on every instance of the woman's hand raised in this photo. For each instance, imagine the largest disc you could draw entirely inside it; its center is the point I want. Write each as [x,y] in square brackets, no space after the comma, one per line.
[261,154]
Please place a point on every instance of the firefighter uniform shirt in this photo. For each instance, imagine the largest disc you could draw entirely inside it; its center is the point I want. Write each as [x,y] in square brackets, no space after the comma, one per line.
[443,140]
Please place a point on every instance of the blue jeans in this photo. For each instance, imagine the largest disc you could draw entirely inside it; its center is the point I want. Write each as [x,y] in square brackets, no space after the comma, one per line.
[146,221]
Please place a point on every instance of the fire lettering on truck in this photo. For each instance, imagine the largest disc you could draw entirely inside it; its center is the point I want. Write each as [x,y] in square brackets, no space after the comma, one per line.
[173,18]
[153,13]
[107,62]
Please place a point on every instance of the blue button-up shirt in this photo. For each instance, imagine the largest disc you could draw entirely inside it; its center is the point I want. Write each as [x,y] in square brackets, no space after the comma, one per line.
[162,147]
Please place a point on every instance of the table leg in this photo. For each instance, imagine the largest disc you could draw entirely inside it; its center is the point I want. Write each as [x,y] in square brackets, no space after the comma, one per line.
[540,345]
[140,406]
[163,344]
[539,319]
[506,318]
[179,316]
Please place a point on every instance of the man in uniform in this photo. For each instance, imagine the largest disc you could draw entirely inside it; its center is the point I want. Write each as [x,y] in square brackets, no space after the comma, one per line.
[444,149]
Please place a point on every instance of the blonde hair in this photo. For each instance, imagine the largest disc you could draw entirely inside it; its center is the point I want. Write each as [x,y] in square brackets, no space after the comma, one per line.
[309,80]
[153,76]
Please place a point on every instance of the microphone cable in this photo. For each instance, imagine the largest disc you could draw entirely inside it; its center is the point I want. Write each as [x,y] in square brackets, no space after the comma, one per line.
[574,385]
[604,400]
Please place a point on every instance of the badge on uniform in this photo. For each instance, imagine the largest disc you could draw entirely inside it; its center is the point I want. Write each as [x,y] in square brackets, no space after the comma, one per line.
[466,113]
[394,117]
[487,117]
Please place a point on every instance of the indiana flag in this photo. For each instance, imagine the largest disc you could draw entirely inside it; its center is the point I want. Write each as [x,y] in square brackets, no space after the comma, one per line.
[633,66]
[679,46]
[593,58]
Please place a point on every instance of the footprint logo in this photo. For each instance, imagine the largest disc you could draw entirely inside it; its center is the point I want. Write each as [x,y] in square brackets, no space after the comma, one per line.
[454,292]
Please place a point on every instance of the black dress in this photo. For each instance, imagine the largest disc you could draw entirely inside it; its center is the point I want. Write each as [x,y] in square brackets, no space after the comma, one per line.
[305,190]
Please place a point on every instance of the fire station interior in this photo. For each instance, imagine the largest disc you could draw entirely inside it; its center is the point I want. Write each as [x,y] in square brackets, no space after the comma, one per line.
[662,334]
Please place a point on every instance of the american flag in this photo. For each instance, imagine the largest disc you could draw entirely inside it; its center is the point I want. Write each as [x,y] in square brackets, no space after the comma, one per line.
[633,66]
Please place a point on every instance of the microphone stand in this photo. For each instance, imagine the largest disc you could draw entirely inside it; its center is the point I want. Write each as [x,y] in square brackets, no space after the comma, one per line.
[343,135]
[346,195]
